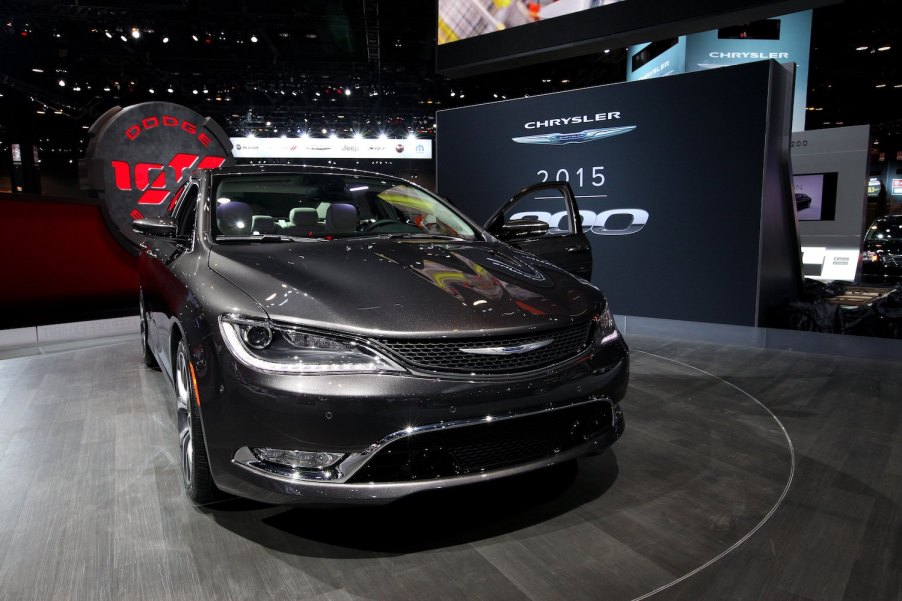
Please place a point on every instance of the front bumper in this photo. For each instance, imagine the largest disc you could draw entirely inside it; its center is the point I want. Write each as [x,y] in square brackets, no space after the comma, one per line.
[362,415]
[281,486]
[886,271]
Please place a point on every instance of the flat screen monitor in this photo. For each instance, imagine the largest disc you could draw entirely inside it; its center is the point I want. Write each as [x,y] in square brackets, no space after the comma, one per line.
[873,187]
[481,36]
[815,196]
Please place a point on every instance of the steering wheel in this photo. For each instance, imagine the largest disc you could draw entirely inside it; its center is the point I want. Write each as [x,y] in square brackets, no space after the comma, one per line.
[380,223]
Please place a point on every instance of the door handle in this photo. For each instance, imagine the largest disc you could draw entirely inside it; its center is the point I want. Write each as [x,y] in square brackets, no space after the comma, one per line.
[577,249]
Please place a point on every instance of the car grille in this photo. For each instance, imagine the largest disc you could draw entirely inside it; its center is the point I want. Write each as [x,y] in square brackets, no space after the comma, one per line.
[486,445]
[446,355]
[893,260]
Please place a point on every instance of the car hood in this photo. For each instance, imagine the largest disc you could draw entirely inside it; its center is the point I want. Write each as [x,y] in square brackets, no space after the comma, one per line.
[405,286]
[893,247]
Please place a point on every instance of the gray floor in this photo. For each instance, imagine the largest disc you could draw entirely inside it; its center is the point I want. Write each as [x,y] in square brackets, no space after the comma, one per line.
[705,497]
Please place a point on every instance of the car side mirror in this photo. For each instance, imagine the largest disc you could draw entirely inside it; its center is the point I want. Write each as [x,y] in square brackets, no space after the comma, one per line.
[156,228]
[522,228]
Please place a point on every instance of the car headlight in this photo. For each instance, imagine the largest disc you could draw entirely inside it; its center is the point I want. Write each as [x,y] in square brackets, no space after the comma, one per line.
[605,328]
[871,256]
[264,346]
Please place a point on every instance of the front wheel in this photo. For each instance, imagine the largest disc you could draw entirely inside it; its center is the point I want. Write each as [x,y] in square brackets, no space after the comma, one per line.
[196,474]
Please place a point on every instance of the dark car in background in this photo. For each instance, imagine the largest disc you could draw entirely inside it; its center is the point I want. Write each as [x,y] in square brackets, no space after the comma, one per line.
[803,201]
[338,335]
[881,252]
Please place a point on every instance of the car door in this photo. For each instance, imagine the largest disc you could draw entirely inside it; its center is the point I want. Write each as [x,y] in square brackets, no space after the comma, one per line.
[544,220]
[162,288]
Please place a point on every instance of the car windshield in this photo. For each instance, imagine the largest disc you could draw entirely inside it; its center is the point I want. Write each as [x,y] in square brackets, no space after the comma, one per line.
[316,205]
[885,230]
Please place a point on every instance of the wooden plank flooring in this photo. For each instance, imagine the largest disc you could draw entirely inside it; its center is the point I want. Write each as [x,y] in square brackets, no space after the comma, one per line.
[91,505]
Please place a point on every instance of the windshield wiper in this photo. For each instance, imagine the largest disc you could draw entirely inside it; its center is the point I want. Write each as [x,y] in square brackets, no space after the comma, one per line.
[263,238]
[394,236]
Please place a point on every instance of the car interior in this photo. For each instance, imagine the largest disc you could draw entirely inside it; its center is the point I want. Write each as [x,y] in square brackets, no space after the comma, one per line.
[327,206]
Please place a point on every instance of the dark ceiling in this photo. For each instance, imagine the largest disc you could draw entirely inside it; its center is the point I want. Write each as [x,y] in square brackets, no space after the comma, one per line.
[277,67]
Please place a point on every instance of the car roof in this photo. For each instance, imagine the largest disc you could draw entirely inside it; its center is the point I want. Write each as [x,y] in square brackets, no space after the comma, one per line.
[286,168]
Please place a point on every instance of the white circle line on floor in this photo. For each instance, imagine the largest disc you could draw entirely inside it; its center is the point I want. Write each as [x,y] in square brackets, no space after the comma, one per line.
[773,510]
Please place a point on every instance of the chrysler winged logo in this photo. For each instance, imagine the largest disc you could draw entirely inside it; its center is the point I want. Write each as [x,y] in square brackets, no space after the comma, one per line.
[587,135]
[508,350]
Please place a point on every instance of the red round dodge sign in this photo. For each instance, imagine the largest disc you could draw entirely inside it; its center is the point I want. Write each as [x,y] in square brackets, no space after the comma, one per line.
[139,156]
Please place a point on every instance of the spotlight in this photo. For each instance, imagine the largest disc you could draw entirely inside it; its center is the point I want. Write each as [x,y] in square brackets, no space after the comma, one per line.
[136,33]
[62,83]
[165,39]
[254,39]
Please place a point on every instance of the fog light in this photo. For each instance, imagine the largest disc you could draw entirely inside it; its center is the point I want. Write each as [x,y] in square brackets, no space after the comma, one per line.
[298,459]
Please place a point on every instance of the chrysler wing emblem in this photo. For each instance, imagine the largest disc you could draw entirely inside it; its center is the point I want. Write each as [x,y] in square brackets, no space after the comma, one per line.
[508,350]
[587,135]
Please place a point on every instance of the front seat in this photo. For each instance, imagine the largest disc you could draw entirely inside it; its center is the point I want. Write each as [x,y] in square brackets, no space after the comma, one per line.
[263,225]
[341,218]
[234,218]
[302,221]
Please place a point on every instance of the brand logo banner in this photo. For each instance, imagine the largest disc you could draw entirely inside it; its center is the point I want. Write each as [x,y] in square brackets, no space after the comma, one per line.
[139,156]
[670,194]
[331,148]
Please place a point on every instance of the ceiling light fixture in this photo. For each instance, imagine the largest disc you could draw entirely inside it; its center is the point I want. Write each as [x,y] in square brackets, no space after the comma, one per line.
[136,33]
[254,39]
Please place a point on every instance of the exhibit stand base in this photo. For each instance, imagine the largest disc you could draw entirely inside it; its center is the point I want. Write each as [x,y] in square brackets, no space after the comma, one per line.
[38,339]
[863,347]
[737,474]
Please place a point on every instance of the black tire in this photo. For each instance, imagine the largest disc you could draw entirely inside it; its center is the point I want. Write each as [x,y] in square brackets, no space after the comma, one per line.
[196,475]
[146,354]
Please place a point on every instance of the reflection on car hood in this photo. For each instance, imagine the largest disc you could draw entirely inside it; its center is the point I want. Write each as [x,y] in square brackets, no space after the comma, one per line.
[405,286]
[893,247]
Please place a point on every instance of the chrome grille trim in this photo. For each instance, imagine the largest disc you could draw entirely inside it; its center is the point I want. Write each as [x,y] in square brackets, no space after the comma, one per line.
[462,356]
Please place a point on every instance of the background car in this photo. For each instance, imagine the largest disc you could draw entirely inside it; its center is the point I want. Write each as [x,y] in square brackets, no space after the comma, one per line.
[345,336]
[881,252]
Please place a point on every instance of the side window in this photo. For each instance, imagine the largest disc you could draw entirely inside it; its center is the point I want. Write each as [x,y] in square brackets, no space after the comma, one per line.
[174,202]
[186,212]
[546,205]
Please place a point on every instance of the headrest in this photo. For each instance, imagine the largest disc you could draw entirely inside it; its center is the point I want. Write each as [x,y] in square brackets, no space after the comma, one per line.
[263,224]
[234,218]
[303,216]
[341,217]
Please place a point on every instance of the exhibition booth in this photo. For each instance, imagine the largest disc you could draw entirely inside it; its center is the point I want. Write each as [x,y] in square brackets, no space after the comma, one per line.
[605,341]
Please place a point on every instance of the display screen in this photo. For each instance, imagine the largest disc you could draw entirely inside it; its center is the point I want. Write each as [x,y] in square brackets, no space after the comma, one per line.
[815,196]
[873,187]
[481,36]
[461,19]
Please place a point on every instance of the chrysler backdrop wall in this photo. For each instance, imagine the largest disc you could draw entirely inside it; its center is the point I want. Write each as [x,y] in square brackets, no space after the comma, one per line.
[668,177]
